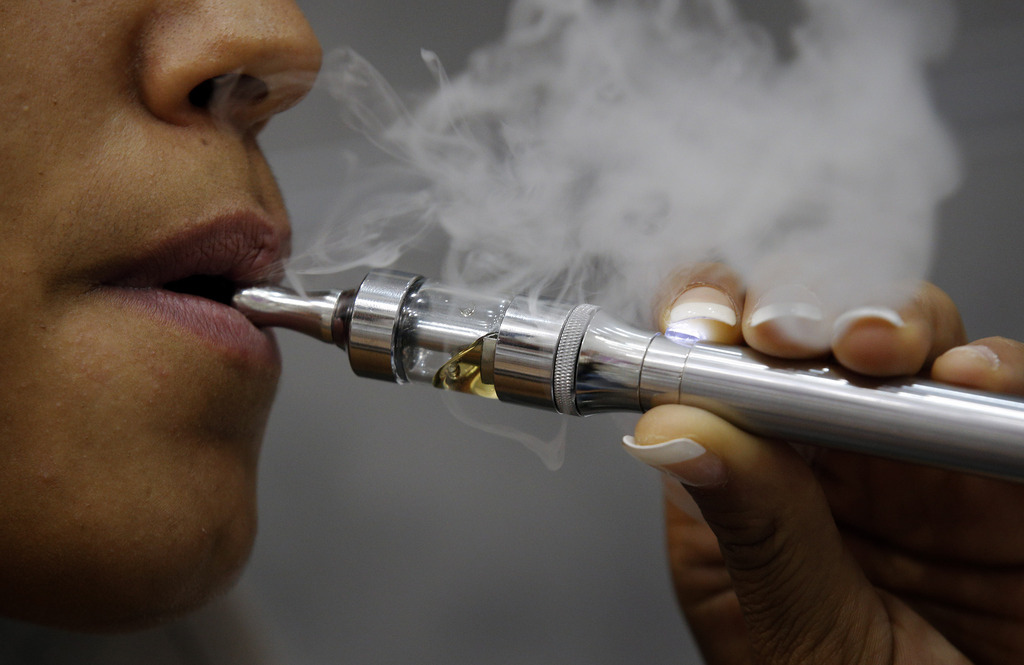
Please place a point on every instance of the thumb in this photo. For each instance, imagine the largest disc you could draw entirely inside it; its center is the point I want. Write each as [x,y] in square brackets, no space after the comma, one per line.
[803,597]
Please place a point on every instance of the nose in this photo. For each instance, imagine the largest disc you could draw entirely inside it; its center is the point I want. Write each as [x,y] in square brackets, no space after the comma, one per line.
[239,61]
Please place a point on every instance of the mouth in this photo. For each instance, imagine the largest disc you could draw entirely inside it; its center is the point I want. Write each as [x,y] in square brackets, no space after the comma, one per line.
[217,288]
[189,278]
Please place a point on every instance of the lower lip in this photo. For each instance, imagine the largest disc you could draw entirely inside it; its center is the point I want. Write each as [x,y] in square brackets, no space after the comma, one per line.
[219,327]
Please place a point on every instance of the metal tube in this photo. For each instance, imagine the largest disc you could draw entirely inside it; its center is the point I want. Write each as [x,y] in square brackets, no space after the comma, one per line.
[579,360]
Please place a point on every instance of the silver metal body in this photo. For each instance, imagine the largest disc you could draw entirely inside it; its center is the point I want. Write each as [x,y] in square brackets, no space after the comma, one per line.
[580,360]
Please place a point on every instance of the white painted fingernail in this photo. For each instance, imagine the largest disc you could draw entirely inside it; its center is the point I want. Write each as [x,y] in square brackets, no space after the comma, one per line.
[702,313]
[786,310]
[667,452]
[792,315]
[786,302]
[703,310]
[853,316]
[684,459]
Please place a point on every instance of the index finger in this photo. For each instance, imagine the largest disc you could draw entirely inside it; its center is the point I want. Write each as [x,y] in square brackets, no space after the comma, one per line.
[701,302]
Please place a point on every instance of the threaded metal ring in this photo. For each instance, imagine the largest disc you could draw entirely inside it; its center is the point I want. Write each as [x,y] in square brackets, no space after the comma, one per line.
[566,354]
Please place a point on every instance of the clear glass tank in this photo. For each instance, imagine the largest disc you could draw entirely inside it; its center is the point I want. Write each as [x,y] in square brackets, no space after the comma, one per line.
[442,334]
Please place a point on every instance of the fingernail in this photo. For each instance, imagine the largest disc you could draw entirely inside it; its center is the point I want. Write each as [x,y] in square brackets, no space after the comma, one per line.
[976,354]
[848,320]
[787,302]
[702,313]
[684,459]
[794,314]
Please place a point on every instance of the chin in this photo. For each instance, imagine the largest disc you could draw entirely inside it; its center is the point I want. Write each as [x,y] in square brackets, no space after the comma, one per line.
[140,545]
[139,582]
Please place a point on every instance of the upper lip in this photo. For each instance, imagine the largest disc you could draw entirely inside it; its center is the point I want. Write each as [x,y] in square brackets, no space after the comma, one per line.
[242,249]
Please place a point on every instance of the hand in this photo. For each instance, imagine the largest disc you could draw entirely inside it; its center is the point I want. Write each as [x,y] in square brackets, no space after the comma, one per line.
[846,559]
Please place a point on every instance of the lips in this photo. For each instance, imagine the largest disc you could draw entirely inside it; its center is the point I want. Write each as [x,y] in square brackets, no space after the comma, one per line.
[241,248]
[187,280]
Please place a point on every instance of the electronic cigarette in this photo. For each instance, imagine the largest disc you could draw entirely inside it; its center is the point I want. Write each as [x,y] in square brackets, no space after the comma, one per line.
[579,360]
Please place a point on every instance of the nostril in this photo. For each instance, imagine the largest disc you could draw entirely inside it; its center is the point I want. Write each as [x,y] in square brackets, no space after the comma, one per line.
[201,96]
[228,89]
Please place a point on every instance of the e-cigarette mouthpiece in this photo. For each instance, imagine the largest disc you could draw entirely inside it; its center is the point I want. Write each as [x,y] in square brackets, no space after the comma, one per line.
[323,315]
[578,360]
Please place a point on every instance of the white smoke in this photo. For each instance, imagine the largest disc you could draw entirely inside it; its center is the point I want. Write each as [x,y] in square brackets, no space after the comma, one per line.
[600,146]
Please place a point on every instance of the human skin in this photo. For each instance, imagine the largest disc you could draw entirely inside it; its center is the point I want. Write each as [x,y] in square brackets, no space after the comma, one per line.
[830,557]
[130,416]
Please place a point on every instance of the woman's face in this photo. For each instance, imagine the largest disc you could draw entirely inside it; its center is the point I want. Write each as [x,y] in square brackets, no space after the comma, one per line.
[131,403]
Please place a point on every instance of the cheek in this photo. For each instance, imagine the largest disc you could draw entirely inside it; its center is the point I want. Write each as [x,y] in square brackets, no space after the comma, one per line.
[114,382]
[129,470]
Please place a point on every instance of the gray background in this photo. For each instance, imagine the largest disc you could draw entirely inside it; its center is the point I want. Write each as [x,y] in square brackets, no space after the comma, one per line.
[393,533]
